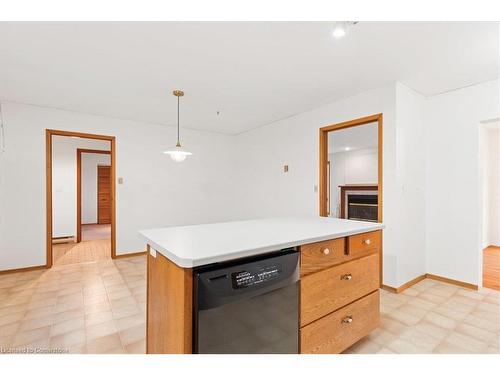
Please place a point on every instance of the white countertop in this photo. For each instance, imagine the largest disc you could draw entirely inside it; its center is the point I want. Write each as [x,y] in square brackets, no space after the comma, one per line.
[197,245]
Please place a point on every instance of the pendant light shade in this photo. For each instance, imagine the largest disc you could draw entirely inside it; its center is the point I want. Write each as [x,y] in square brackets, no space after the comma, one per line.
[178,153]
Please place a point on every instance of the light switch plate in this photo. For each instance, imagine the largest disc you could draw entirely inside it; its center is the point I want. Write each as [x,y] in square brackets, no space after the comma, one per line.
[120,180]
[285,168]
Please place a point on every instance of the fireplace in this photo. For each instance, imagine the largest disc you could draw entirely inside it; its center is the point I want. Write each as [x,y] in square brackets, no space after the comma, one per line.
[359,202]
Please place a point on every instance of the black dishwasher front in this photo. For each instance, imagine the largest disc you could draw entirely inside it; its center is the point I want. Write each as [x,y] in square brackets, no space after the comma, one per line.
[250,306]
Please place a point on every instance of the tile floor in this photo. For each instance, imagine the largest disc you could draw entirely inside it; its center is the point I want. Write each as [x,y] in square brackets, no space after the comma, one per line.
[434,317]
[85,251]
[96,307]
[99,307]
[92,232]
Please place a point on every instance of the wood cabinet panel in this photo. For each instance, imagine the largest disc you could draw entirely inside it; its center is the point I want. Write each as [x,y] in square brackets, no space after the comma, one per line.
[339,330]
[328,290]
[363,244]
[169,307]
[320,255]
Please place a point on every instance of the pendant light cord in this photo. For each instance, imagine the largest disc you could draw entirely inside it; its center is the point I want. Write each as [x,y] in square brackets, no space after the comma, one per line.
[2,131]
[178,128]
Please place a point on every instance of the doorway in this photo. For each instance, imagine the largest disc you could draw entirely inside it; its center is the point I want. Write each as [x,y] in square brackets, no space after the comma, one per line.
[350,170]
[93,194]
[77,232]
[489,166]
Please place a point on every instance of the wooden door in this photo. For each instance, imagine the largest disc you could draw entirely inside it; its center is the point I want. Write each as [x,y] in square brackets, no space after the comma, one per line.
[103,194]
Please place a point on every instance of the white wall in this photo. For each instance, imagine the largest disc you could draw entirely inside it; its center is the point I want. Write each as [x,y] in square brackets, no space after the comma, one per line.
[268,191]
[453,204]
[489,140]
[294,141]
[156,191]
[410,181]
[89,184]
[64,181]
[351,167]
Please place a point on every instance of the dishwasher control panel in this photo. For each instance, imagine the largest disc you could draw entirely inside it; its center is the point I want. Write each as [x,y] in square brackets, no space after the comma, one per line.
[244,279]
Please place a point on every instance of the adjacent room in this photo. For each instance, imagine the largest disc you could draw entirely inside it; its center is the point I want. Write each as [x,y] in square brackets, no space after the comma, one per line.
[250,188]
[81,199]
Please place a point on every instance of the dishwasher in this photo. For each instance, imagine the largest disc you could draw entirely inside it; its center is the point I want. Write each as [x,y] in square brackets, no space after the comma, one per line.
[248,306]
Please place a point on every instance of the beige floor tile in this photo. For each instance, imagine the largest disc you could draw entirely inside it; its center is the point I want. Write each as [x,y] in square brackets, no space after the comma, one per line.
[128,310]
[67,326]
[130,321]
[447,348]
[67,315]
[138,347]
[405,318]
[382,336]
[11,318]
[385,351]
[97,307]
[9,329]
[402,346]
[99,330]
[475,332]
[94,299]
[133,334]
[420,339]
[98,317]
[26,337]
[392,325]
[491,307]
[104,344]
[466,342]
[40,322]
[440,320]
[432,330]
[481,323]
[421,303]
[68,340]
[13,309]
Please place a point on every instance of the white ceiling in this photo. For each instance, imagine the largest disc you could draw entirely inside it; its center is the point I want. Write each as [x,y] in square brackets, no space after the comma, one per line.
[356,138]
[253,73]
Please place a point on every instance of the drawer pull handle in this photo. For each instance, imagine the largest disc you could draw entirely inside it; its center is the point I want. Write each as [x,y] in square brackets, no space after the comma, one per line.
[326,251]
[367,241]
[347,319]
[347,277]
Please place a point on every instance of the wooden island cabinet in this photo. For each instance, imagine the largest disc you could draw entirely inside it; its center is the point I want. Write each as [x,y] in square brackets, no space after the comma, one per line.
[339,296]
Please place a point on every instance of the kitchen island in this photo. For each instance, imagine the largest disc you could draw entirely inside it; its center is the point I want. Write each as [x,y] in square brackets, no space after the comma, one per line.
[340,267]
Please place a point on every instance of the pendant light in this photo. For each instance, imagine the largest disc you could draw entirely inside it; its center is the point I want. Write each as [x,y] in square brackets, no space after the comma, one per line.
[178,153]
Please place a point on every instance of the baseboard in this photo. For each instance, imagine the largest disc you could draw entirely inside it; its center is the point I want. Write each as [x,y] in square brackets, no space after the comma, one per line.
[128,255]
[389,288]
[451,281]
[25,269]
[429,276]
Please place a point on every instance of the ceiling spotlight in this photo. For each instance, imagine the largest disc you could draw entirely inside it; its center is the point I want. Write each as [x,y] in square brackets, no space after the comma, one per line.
[340,28]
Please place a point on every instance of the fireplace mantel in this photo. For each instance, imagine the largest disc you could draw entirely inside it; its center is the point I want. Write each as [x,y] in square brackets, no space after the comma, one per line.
[344,189]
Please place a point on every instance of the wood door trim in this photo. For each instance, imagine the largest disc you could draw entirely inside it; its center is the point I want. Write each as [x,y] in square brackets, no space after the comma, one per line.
[79,152]
[323,159]
[48,186]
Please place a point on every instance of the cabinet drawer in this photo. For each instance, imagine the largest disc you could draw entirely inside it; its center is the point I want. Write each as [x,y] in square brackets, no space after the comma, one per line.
[363,244]
[320,255]
[339,330]
[328,290]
